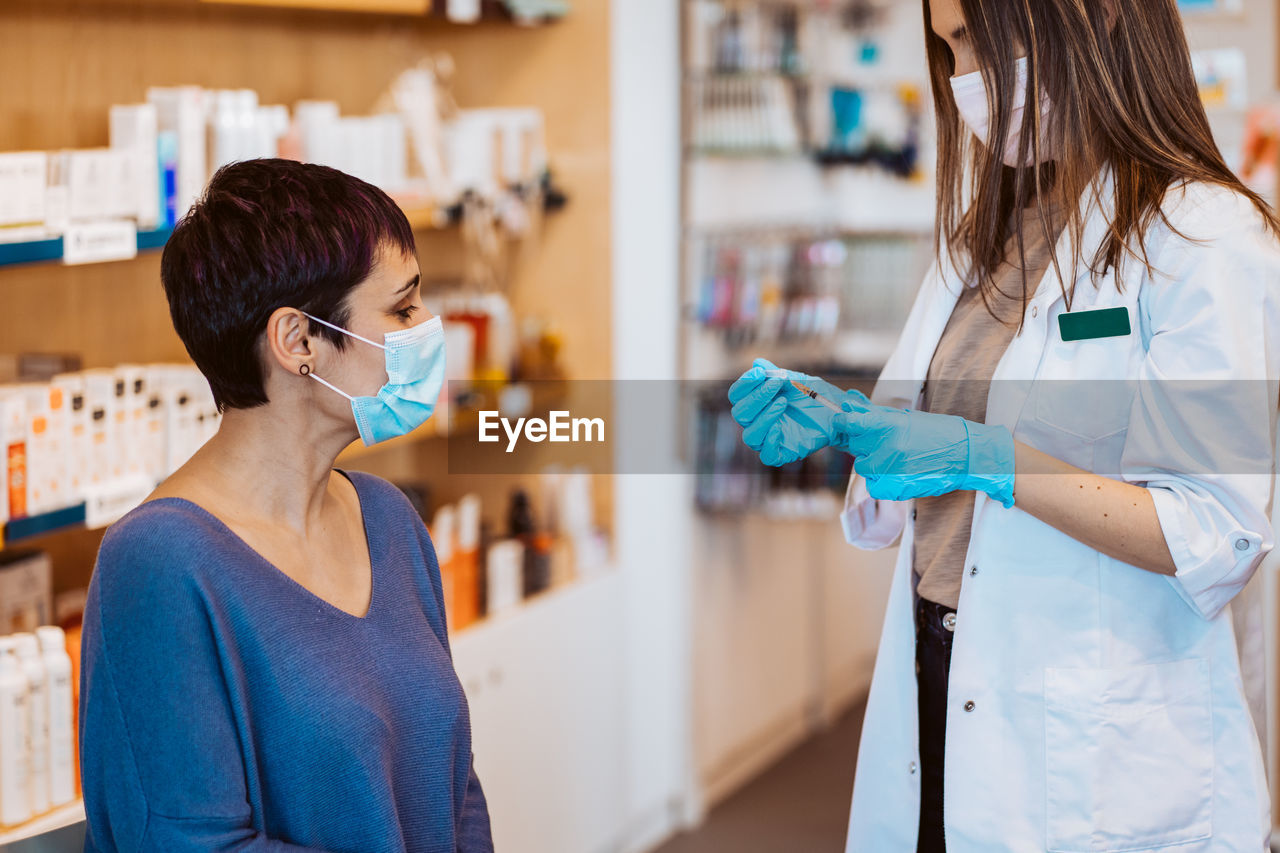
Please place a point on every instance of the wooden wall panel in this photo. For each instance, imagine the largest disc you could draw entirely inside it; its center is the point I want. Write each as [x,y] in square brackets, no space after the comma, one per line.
[64,62]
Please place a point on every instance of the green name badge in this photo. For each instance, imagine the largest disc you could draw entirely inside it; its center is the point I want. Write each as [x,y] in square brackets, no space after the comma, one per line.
[1086,325]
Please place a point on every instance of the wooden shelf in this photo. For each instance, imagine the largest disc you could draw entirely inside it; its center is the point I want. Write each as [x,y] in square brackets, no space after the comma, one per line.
[22,529]
[490,10]
[63,816]
[51,249]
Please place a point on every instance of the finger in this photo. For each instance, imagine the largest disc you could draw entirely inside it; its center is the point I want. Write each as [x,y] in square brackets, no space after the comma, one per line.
[764,364]
[853,424]
[774,453]
[855,401]
[758,429]
[746,383]
[748,409]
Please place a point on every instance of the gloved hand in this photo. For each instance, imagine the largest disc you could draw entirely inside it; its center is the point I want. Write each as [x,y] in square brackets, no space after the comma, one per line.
[779,421]
[905,454]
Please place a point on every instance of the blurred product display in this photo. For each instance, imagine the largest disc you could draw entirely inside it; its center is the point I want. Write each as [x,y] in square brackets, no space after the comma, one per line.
[99,438]
[792,78]
[38,754]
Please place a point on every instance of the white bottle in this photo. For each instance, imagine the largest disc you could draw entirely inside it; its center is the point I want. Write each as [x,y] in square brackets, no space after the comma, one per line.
[62,735]
[13,738]
[27,648]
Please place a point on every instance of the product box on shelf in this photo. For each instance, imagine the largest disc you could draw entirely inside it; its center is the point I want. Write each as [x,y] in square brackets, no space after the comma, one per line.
[103,402]
[26,590]
[100,184]
[179,391]
[133,129]
[152,433]
[47,448]
[13,455]
[79,448]
[102,437]
[22,187]
[182,111]
[133,424]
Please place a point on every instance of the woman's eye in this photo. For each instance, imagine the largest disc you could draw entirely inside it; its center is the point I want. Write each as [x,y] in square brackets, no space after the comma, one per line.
[407,313]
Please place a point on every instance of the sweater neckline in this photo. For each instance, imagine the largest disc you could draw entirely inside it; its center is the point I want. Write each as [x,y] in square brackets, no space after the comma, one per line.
[275,570]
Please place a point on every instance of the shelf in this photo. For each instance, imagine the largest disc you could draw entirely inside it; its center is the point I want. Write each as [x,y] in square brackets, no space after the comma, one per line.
[63,816]
[701,152]
[103,505]
[51,249]
[19,530]
[701,75]
[433,10]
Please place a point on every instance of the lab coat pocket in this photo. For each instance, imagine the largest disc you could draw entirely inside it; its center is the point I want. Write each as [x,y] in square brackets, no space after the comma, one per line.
[1128,757]
[1087,409]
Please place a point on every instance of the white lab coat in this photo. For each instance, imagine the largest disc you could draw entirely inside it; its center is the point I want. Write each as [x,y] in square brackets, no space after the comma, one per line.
[1108,711]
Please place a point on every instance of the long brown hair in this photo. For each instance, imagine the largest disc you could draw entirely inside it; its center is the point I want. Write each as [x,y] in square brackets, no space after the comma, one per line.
[1123,95]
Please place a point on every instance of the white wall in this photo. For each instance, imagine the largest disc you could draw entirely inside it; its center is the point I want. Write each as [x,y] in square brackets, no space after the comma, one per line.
[652,512]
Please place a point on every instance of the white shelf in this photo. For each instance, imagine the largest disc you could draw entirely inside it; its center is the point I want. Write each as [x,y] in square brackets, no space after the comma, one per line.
[68,815]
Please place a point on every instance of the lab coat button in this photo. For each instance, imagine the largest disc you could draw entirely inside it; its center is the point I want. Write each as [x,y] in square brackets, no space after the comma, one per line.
[949,621]
[973,570]
[969,706]
[1035,310]
[1242,544]
[913,768]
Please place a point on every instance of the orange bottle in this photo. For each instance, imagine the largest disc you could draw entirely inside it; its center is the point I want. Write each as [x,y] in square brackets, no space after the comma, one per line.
[444,538]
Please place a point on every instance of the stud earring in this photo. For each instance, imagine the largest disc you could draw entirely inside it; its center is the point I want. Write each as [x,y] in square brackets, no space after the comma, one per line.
[305,369]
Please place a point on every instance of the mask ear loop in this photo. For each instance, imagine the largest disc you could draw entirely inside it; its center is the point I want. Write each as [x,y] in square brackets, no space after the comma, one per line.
[329,385]
[344,331]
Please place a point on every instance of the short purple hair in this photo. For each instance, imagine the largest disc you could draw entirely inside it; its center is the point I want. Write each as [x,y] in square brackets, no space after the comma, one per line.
[267,234]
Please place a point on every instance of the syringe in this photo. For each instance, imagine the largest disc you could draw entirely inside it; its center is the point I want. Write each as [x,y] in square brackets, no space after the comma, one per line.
[802,388]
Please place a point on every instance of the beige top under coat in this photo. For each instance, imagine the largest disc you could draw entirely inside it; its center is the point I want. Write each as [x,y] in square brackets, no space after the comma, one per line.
[959,376]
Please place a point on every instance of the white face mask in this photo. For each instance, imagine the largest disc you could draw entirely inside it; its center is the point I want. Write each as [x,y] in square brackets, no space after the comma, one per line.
[970,92]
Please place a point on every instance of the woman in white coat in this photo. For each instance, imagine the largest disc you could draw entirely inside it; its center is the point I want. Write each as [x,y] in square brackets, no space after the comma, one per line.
[1074,443]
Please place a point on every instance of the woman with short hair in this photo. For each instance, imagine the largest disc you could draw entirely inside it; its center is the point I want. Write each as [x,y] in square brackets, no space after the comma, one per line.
[266,660]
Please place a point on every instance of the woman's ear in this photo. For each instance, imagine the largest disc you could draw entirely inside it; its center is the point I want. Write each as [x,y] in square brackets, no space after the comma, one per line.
[287,341]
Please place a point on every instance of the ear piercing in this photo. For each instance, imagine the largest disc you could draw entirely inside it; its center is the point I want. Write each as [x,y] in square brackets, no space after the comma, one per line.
[304,369]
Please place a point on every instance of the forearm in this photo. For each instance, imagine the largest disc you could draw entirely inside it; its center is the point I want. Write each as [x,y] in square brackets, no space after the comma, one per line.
[1119,519]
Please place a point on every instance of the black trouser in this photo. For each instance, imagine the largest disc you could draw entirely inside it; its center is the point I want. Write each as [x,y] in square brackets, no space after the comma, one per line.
[933,661]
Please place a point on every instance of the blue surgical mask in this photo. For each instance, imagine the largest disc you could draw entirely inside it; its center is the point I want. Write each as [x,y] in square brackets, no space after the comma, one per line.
[415,375]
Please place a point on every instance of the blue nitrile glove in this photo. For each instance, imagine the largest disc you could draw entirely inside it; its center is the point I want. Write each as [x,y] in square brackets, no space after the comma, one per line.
[781,423]
[905,454]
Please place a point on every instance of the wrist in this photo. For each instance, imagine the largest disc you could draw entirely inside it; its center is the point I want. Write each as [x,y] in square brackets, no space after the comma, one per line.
[991,466]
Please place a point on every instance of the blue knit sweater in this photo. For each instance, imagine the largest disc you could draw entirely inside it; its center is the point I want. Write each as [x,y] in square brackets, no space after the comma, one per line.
[224,707]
